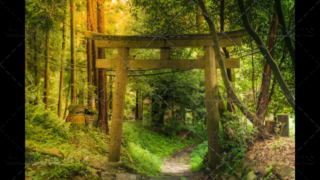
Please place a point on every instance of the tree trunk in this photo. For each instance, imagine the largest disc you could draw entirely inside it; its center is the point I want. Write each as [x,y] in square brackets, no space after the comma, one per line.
[36,66]
[25,62]
[91,101]
[94,51]
[110,95]
[253,76]
[66,108]
[46,78]
[265,52]
[102,73]
[73,55]
[62,66]
[230,105]
[285,33]
[263,102]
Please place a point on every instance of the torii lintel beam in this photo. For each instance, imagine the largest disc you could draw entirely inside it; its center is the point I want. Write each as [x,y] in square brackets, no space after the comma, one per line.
[231,38]
[166,64]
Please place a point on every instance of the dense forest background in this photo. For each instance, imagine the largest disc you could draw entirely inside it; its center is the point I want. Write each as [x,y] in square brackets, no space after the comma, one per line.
[58,78]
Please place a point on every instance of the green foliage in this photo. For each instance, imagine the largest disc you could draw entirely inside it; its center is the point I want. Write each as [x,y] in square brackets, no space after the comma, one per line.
[240,135]
[197,157]
[269,171]
[59,168]
[43,126]
[143,160]
[234,145]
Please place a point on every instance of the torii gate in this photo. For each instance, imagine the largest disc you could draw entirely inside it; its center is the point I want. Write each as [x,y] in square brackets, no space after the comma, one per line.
[123,43]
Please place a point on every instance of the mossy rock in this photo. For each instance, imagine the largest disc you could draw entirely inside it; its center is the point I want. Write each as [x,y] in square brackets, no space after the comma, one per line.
[90,111]
[71,107]
[251,176]
[247,170]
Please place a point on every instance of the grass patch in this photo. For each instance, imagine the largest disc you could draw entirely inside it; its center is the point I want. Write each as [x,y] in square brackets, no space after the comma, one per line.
[197,157]
[146,148]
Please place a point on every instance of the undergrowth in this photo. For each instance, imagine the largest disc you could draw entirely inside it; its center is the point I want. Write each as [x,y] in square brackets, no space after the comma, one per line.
[146,148]
[197,157]
[142,148]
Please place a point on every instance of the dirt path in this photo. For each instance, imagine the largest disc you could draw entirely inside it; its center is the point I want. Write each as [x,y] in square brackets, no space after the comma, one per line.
[179,164]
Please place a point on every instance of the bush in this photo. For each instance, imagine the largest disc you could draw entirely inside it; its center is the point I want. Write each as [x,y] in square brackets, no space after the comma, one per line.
[43,126]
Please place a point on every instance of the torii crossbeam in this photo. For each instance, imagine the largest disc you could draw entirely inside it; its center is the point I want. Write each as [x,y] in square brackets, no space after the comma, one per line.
[207,62]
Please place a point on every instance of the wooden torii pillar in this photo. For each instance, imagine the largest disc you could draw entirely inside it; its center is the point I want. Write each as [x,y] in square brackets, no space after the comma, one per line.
[122,63]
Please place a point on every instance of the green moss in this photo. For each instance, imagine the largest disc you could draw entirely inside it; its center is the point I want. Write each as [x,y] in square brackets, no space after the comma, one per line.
[90,111]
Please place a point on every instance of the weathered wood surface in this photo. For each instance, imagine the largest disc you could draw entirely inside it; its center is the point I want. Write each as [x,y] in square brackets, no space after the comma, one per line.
[118,105]
[284,119]
[270,125]
[231,38]
[212,106]
[167,64]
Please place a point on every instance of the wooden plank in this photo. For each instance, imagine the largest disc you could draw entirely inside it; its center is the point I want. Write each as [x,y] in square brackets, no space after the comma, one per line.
[118,105]
[166,64]
[162,42]
[212,107]
[100,36]
[153,41]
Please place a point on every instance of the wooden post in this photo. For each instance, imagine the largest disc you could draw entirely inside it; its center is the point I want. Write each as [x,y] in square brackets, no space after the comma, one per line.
[270,125]
[140,112]
[284,119]
[211,106]
[165,53]
[137,106]
[118,105]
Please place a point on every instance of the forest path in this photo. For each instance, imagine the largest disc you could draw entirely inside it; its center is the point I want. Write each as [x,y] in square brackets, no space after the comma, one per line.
[179,164]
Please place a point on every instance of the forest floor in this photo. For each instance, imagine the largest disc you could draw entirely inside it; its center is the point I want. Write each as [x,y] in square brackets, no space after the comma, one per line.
[179,164]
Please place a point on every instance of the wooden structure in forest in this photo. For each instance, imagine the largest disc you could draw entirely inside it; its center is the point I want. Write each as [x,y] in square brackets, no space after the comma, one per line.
[122,63]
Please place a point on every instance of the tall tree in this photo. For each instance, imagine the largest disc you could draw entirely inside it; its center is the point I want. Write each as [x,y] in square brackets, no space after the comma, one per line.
[102,73]
[94,49]
[35,65]
[110,97]
[46,78]
[230,105]
[25,58]
[91,101]
[68,93]
[266,77]
[73,54]
[62,64]
[266,53]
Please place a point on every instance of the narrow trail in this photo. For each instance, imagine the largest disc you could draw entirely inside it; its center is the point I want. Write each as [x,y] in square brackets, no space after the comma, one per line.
[179,164]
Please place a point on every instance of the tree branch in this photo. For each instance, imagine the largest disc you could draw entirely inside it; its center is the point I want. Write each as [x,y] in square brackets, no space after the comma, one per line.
[265,52]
